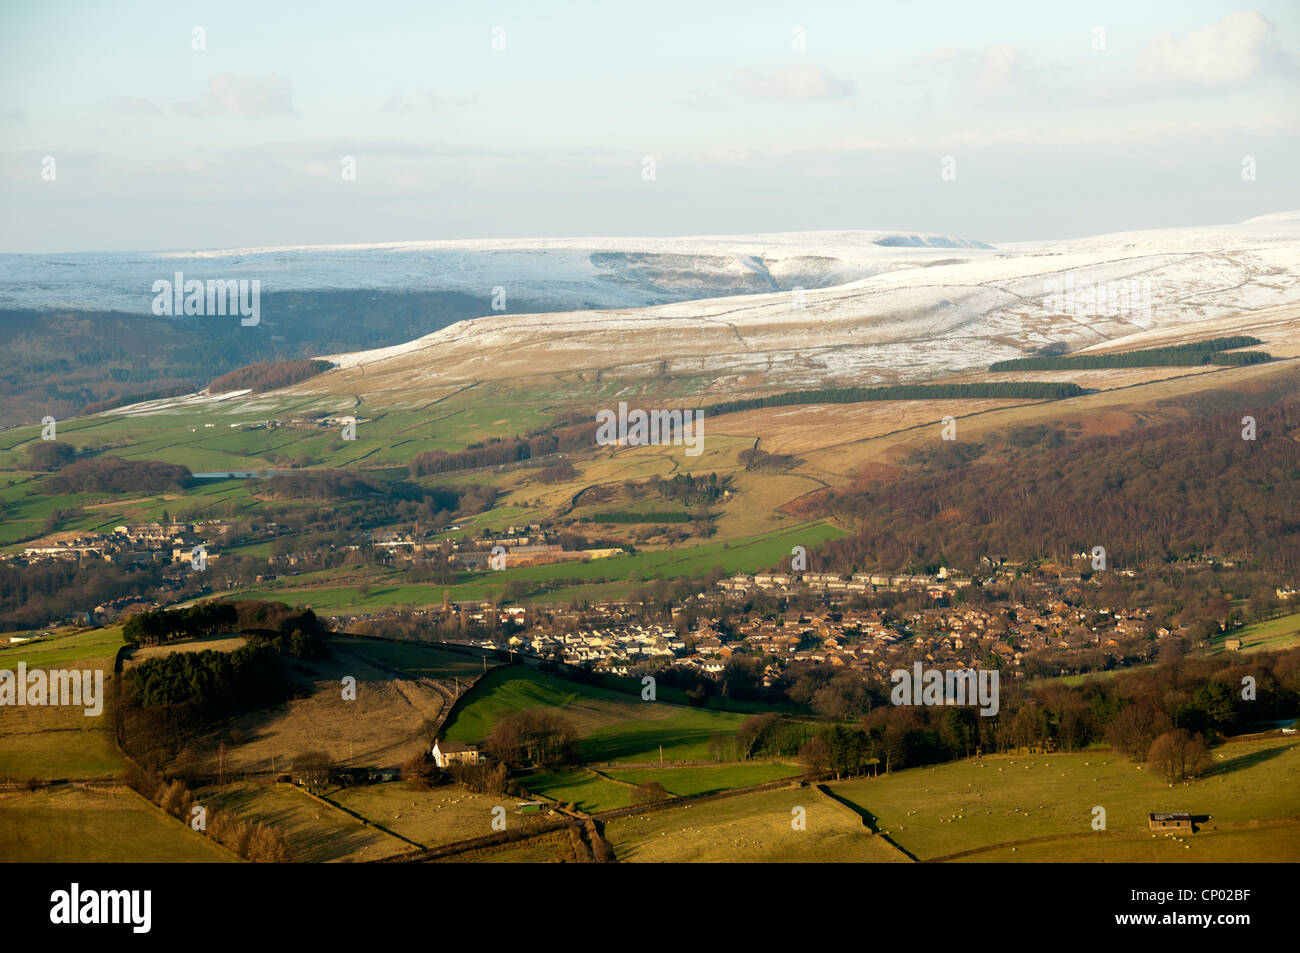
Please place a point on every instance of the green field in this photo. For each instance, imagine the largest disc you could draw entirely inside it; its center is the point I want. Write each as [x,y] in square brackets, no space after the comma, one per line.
[63,650]
[56,742]
[707,780]
[611,726]
[1274,635]
[584,790]
[980,803]
[749,828]
[95,826]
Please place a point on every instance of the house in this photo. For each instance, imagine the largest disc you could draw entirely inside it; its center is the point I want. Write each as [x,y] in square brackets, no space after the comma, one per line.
[1171,822]
[448,753]
[1232,645]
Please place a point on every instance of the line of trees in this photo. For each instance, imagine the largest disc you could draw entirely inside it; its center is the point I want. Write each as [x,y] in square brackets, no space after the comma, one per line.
[169,625]
[1177,355]
[1166,716]
[1022,390]
[761,460]
[621,516]
[255,841]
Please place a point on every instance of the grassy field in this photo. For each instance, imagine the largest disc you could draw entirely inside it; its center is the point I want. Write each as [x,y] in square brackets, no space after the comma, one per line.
[55,742]
[441,815]
[81,825]
[1278,843]
[418,661]
[706,780]
[553,848]
[584,790]
[316,832]
[967,805]
[1275,634]
[62,651]
[611,726]
[748,828]
[380,727]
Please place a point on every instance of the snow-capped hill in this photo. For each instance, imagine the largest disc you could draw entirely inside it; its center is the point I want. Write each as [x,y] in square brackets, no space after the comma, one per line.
[958,313]
[558,274]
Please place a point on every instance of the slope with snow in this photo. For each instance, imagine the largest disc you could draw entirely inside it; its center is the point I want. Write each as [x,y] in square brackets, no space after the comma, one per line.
[908,323]
[559,274]
[918,313]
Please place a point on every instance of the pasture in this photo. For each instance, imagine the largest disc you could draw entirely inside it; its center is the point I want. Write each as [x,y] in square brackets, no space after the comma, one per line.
[748,828]
[85,825]
[585,790]
[611,726]
[317,832]
[440,815]
[707,780]
[55,742]
[980,803]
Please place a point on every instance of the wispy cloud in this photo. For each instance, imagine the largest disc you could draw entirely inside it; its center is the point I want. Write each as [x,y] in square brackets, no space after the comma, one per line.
[134,105]
[802,82]
[249,96]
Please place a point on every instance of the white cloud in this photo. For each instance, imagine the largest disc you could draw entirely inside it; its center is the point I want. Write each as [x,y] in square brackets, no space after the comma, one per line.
[792,83]
[1232,53]
[250,96]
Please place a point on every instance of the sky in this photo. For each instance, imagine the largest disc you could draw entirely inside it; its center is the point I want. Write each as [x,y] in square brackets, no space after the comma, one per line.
[176,126]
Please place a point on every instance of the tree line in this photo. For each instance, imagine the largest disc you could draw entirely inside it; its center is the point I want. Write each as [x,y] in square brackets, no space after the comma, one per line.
[1177,355]
[1167,716]
[1022,390]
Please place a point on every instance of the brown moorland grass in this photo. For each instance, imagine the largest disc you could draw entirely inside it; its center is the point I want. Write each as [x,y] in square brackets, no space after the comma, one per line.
[440,815]
[380,728]
[317,832]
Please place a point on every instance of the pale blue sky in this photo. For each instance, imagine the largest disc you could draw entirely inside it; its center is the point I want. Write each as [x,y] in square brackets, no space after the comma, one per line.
[158,145]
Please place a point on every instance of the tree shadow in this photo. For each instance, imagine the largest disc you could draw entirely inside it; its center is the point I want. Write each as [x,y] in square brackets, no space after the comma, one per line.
[1242,762]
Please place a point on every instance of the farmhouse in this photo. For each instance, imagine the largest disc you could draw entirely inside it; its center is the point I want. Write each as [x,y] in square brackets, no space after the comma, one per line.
[1171,822]
[447,753]
[1232,645]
